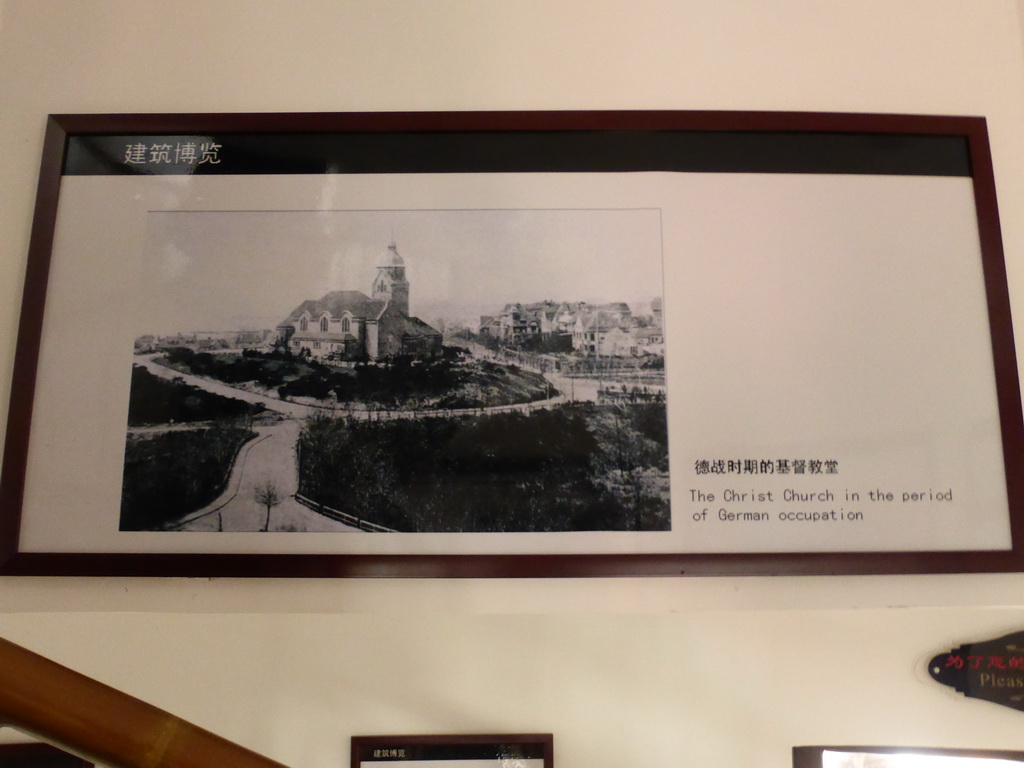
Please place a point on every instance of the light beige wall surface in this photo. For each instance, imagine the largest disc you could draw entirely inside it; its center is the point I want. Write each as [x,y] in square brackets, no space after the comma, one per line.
[711,672]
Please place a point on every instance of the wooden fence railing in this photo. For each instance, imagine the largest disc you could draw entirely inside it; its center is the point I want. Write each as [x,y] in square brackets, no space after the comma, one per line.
[58,705]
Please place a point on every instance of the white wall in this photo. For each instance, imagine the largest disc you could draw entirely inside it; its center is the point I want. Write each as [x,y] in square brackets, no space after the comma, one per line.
[716,672]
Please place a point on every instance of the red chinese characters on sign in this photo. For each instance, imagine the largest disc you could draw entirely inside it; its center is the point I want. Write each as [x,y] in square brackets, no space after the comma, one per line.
[992,670]
[957,661]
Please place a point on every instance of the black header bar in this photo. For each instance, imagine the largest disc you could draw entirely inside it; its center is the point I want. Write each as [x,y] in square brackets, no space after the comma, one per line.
[517,151]
[498,751]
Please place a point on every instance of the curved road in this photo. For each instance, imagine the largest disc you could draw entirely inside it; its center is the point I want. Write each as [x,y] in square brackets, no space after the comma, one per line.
[293,410]
[271,457]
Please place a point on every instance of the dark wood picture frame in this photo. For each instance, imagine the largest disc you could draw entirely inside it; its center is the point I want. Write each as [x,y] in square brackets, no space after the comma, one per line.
[503,749]
[751,143]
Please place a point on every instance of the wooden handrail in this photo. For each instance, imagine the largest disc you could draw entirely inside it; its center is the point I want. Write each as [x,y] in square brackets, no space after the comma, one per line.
[100,723]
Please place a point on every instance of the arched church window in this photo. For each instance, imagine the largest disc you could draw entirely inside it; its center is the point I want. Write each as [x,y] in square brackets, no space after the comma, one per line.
[303,324]
[323,324]
[344,325]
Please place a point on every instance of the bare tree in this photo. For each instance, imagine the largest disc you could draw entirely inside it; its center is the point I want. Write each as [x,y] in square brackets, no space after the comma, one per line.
[268,496]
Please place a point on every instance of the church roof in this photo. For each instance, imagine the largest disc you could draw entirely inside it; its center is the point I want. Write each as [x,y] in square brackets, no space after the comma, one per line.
[413,326]
[600,320]
[336,303]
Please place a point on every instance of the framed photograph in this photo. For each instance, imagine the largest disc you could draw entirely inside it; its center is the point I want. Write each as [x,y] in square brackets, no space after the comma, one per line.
[532,750]
[39,756]
[904,757]
[512,345]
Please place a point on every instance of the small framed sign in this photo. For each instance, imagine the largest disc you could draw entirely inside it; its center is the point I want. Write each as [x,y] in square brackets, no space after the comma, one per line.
[904,757]
[469,751]
[514,344]
[39,756]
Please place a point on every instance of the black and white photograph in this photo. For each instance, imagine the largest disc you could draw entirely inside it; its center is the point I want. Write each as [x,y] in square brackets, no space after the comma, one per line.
[507,750]
[903,757]
[427,371]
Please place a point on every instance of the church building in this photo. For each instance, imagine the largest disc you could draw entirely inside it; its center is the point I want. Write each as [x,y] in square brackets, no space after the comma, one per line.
[349,325]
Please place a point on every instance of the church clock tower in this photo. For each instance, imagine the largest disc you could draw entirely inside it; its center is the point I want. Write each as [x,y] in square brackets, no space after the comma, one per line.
[390,283]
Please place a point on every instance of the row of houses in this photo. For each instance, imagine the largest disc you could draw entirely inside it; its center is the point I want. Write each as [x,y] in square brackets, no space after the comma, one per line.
[604,330]
[205,341]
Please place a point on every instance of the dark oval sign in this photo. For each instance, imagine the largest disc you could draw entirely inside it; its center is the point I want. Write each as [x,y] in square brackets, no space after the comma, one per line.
[991,669]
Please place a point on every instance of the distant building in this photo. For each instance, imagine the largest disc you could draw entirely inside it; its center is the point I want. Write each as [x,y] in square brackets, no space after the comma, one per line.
[606,330]
[656,311]
[650,341]
[250,339]
[605,333]
[351,325]
[145,344]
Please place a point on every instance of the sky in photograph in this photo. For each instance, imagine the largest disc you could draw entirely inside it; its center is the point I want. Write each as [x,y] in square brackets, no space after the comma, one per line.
[230,270]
